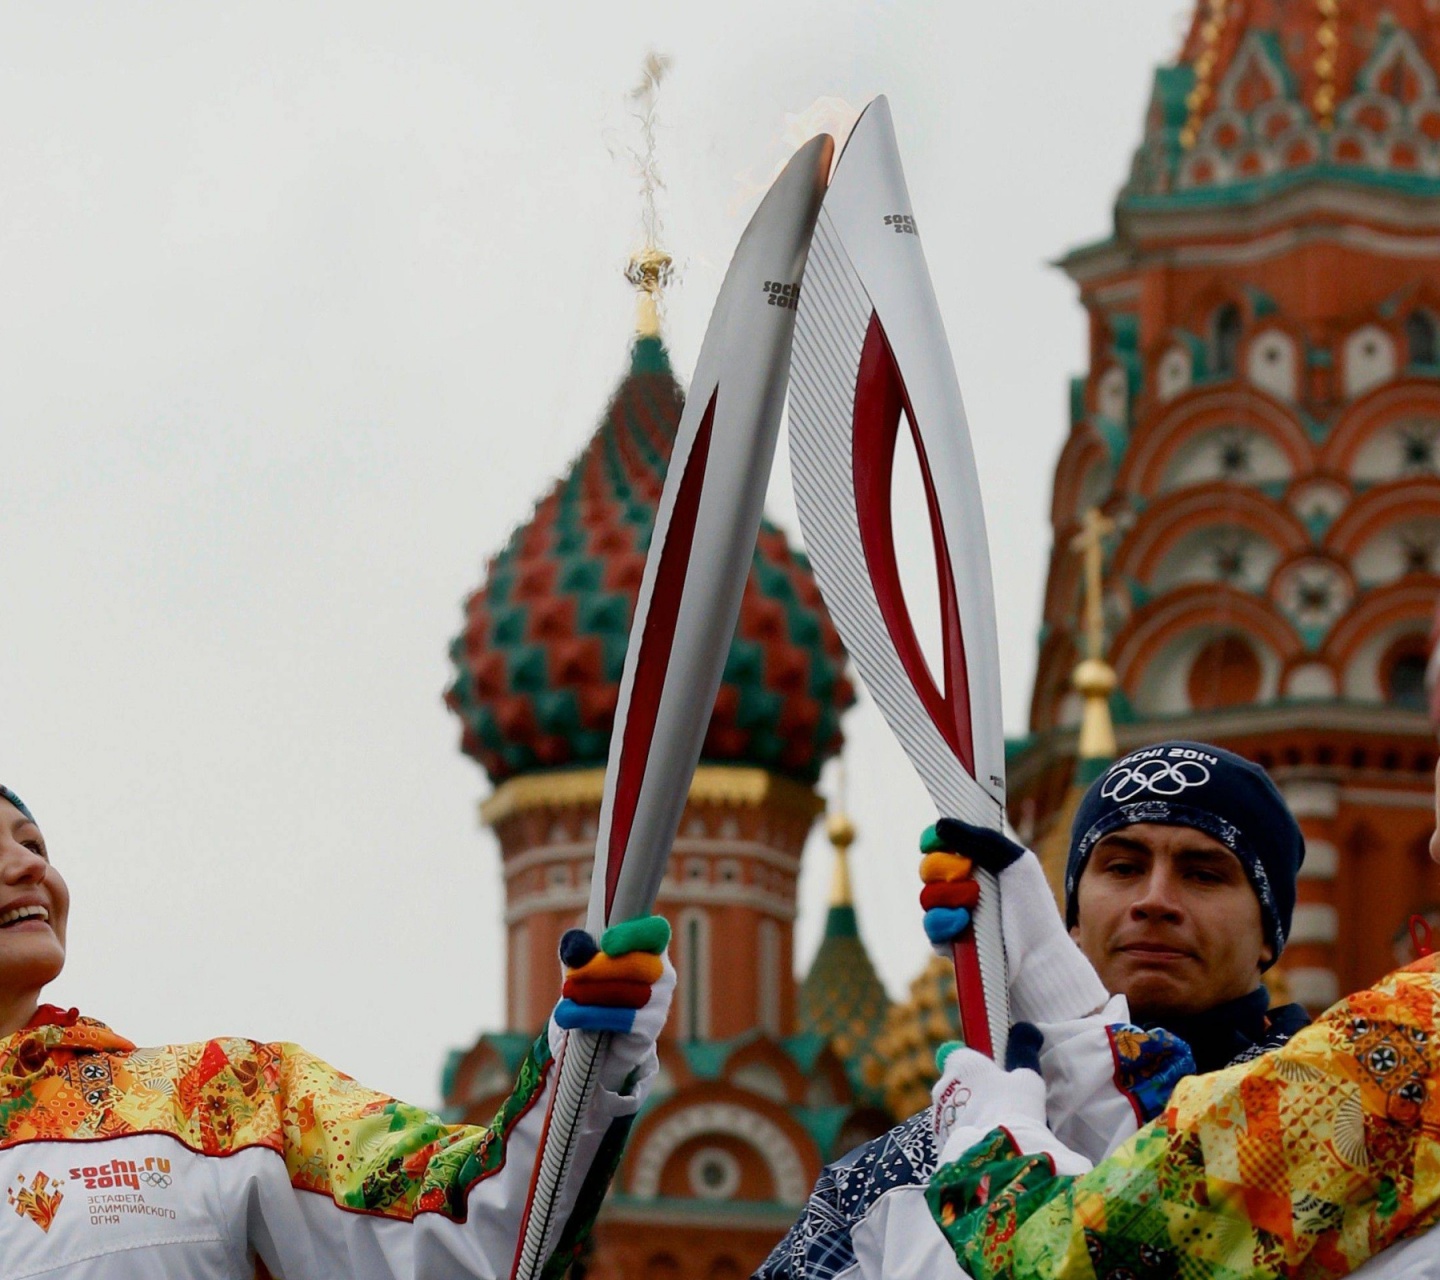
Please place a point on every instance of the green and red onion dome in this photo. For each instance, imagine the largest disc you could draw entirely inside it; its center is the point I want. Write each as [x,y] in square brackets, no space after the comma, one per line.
[539,661]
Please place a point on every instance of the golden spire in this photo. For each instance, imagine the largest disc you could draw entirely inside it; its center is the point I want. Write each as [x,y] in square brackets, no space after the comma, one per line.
[1094,680]
[1327,36]
[649,272]
[841,832]
[1093,677]
[649,269]
[842,835]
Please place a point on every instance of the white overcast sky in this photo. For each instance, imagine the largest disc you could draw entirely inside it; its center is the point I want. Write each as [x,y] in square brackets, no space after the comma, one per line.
[301,307]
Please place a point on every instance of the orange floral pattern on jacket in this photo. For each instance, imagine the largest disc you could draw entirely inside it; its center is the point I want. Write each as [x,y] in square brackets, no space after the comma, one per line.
[67,1078]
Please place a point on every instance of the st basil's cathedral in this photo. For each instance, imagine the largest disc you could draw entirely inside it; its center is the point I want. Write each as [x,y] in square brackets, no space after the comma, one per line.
[1256,445]
[1246,517]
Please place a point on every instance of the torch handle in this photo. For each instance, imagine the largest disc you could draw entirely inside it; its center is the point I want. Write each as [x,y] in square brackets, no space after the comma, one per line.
[577,1079]
[970,987]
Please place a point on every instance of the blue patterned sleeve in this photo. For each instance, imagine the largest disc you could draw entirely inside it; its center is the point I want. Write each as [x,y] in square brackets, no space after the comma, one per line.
[819,1245]
[1148,1066]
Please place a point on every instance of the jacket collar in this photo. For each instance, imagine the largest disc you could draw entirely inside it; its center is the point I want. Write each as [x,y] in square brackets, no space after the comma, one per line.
[54,1029]
[1220,1035]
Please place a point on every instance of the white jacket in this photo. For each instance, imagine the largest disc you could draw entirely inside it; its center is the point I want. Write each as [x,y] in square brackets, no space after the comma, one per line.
[232,1160]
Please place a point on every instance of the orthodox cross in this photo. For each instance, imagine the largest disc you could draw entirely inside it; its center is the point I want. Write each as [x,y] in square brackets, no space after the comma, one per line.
[1090,543]
[1093,679]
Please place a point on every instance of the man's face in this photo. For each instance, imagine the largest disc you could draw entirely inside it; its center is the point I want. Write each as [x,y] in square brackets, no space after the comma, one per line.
[1168,918]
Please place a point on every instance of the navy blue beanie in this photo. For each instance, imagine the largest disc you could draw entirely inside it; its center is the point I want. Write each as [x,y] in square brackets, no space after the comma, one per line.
[7,794]
[1192,784]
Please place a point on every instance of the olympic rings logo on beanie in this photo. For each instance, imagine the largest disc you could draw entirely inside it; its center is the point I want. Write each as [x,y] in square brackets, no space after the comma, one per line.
[1125,782]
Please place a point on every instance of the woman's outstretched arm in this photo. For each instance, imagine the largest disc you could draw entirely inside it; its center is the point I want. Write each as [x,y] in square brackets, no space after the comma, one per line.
[375,1188]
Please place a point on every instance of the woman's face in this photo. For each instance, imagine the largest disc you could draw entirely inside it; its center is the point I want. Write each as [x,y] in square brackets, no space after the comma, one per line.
[34,905]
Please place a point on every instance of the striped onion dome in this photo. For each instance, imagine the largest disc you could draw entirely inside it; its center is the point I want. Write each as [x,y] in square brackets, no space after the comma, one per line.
[539,659]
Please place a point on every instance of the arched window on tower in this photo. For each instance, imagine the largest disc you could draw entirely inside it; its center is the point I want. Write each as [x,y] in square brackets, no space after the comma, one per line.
[520,976]
[1421,338]
[768,995]
[1402,673]
[692,968]
[1226,340]
[1225,673]
[662,1266]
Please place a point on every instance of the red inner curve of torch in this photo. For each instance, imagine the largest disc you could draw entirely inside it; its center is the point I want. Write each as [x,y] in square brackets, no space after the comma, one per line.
[655,646]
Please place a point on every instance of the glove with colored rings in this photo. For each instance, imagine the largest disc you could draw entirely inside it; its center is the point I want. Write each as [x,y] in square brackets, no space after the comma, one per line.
[951,850]
[622,984]
[1050,978]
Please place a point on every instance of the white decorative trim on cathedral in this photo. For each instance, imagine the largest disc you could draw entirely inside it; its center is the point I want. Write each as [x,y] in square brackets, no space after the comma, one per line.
[1311,797]
[1314,922]
[787,1171]
[1315,988]
[1322,860]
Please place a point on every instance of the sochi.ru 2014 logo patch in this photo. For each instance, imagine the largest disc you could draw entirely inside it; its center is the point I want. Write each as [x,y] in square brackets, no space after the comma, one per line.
[126,1190]
[39,1200]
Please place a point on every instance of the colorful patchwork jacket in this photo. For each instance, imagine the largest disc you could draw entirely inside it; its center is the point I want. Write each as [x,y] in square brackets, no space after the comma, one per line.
[1306,1162]
[232,1160]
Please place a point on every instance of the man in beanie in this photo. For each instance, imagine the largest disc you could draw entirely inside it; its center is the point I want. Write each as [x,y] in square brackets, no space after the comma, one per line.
[1180,884]
[1179,888]
[1318,1157]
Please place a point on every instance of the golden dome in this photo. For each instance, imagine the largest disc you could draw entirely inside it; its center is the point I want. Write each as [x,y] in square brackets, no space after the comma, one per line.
[903,1057]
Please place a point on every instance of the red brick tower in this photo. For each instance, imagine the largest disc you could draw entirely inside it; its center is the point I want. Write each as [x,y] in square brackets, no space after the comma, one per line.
[1261,420]
[749,1104]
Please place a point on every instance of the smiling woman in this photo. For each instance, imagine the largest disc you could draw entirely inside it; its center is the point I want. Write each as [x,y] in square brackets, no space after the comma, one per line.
[109,1154]
[34,908]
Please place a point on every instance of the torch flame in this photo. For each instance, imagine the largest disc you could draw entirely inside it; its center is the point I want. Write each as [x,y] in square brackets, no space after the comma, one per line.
[827,114]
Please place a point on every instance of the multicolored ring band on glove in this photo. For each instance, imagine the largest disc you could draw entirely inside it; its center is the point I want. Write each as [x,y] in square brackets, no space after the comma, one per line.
[938,866]
[606,983]
[950,892]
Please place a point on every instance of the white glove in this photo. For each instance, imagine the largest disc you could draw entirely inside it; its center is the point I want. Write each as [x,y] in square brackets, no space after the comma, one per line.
[1051,980]
[632,1060]
[975,1095]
